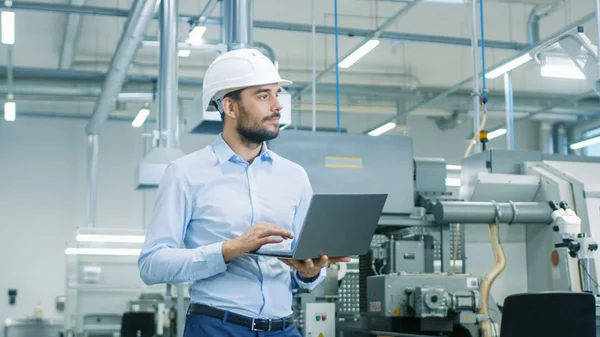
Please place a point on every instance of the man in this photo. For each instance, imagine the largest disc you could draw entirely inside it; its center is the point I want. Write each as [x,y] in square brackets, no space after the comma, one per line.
[230,198]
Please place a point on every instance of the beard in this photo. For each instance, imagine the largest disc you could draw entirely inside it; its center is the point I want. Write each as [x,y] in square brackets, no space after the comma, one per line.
[255,133]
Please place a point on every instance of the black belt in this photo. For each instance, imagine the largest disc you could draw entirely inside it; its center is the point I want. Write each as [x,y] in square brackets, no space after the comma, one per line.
[254,324]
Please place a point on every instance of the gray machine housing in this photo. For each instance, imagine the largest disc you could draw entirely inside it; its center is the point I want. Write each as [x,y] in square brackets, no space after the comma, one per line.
[354,163]
[438,300]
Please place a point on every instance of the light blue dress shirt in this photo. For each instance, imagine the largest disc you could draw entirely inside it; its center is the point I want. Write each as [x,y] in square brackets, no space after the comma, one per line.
[213,195]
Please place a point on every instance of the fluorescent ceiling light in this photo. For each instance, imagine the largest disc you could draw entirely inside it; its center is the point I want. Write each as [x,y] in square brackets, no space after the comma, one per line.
[110,238]
[359,53]
[10,111]
[8,27]
[561,67]
[508,66]
[562,72]
[103,251]
[140,118]
[195,36]
[184,53]
[585,143]
[496,133]
[453,167]
[382,129]
[452,181]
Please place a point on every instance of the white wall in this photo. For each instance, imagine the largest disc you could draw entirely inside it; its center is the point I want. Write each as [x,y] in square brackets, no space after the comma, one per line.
[43,192]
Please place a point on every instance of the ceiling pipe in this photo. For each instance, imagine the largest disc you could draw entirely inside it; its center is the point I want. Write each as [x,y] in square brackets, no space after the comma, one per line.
[133,34]
[71,37]
[150,171]
[284,26]
[237,23]
[536,14]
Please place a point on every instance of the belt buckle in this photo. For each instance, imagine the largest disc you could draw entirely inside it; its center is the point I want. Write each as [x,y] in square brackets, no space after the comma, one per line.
[253,325]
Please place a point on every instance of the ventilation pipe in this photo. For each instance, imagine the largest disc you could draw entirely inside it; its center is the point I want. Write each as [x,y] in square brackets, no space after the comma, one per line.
[237,23]
[133,33]
[533,23]
[150,171]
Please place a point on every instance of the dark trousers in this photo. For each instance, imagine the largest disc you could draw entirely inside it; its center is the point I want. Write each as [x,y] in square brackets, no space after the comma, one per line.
[204,326]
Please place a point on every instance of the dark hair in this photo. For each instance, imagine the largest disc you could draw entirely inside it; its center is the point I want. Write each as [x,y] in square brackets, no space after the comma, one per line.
[234,95]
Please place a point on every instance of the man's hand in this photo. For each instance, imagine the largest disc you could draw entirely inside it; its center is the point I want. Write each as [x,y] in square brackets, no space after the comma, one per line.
[309,268]
[261,233]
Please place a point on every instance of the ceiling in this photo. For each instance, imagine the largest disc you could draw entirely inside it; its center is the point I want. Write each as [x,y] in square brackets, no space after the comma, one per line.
[415,70]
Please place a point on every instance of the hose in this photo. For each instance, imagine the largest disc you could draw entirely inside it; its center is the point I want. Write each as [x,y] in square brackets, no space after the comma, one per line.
[490,277]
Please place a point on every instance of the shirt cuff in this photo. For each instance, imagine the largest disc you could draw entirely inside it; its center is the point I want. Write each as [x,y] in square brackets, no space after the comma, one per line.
[312,283]
[212,256]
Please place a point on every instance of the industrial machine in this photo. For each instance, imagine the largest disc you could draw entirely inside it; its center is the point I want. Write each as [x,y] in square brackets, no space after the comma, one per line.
[414,281]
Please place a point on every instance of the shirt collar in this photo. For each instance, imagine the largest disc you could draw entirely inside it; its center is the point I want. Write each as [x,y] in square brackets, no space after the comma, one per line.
[224,153]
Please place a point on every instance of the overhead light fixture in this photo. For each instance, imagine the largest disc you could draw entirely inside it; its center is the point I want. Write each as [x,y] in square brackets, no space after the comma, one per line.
[103,251]
[382,129]
[8,27]
[184,53]
[561,67]
[359,53]
[195,36]
[496,133]
[585,143]
[110,238]
[453,167]
[141,117]
[453,182]
[508,66]
[10,110]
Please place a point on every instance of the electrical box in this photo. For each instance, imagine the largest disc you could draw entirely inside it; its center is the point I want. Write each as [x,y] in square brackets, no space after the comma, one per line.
[319,320]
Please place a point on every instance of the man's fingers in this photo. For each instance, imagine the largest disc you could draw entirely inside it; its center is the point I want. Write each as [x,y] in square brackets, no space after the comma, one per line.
[287,261]
[277,232]
[340,259]
[309,263]
[270,239]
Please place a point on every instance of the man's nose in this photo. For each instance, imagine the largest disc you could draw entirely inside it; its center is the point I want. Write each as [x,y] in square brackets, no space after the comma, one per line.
[277,107]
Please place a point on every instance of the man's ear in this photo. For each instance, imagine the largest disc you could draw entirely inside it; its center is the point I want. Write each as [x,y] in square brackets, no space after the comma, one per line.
[230,107]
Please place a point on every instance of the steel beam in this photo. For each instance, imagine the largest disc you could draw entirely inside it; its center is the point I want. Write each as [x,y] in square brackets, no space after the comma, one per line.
[284,26]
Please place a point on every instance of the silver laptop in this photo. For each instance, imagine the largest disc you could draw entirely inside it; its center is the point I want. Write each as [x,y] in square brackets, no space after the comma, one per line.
[335,225]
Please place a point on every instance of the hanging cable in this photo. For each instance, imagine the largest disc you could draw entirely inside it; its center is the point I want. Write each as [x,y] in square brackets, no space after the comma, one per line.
[484,99]
[337,67]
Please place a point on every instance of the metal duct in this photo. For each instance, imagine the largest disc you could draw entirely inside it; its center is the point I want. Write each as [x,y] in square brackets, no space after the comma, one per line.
[151,169]
[72,32]
[237,23]
[533,23]
[133,34]
[455,119]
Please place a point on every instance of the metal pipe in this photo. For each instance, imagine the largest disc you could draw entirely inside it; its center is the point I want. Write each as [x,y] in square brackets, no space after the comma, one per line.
[92,179]
[475,87]
[533,22]
[205,14]
[133,33]
[314,65]
[71,37]
[374,34]
[115,12]
[9,69]
[336,67]
[464,82]
[510,126]
[474,212]
[237,23]
[586,279]
[167,78]
[598,30]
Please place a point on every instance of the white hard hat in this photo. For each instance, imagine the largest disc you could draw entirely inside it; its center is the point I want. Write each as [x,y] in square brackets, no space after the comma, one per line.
[238,69]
